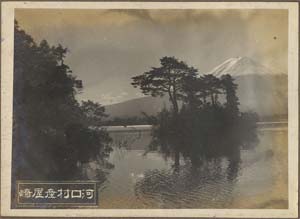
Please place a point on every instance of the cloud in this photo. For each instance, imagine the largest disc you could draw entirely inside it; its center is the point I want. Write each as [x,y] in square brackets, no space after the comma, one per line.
[108,47]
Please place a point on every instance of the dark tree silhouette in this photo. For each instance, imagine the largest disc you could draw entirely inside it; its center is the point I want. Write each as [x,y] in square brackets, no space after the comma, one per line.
[94,113]
[210,87]
[232,101]
[51,132]
[166,79]
[194,92]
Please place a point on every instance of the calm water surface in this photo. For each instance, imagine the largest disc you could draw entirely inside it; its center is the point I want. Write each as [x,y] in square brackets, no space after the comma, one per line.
[140,180]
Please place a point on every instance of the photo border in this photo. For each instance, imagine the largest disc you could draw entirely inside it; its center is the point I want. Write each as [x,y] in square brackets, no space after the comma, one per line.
[7,33]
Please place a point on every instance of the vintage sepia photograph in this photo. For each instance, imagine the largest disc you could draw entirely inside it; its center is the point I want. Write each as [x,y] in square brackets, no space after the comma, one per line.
[175,107]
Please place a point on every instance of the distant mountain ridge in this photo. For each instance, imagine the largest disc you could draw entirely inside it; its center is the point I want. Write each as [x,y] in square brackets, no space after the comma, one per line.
[259,90]
[136,107]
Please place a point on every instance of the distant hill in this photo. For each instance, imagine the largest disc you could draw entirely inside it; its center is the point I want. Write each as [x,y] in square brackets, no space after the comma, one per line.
[259,90]
[135,107]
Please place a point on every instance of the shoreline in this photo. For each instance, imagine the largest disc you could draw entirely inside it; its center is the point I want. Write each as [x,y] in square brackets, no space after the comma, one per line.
[261,125]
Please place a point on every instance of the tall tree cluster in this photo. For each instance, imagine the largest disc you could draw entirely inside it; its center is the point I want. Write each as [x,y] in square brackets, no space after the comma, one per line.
[182,83]
[167,79]
[208,109]
[51,130]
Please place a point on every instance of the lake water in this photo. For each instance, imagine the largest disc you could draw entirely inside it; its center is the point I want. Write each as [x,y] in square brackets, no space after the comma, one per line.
[140,180]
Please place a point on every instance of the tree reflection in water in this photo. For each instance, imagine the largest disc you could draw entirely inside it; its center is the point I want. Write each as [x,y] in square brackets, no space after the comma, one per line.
[206,177]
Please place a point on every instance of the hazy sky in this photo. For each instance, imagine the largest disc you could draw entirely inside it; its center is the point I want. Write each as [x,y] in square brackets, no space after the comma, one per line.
[108,47]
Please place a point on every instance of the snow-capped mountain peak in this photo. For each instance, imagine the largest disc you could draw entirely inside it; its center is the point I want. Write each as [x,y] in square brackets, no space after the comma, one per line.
[240,66]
